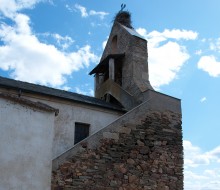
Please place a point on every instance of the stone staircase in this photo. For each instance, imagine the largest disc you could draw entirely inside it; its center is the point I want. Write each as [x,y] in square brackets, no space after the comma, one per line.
[124,97]
[140,150]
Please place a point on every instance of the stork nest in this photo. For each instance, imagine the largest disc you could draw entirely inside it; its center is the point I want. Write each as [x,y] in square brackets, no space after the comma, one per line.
[124,18]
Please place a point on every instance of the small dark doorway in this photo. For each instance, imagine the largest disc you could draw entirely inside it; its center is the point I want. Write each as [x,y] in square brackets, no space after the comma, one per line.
[81,132]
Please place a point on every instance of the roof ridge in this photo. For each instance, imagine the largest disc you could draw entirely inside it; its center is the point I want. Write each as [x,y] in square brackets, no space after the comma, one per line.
[49,91]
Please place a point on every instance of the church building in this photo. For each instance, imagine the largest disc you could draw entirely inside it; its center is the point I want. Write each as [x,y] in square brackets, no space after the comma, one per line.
[128,136]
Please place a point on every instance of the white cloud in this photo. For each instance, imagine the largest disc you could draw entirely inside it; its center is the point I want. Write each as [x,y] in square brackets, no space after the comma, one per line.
[63,41]
[215,45]
[168,34]
[69,8]
[85,13]
[88,92]
[215,154]
[101,14]
[164,68]
[22,22]
[203,99]
[28,59]
[210,65]
[201,169]
[212,46]
[207,180]
[66,88]
[104,43]
[82,10]
[194,156]
[179,34]
[10,7]
[198,52]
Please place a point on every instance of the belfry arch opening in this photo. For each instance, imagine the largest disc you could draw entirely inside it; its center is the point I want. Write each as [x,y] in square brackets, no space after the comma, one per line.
[118,72]
[114,45]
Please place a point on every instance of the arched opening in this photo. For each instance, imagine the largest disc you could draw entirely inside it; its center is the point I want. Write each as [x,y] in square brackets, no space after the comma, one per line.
[114,45]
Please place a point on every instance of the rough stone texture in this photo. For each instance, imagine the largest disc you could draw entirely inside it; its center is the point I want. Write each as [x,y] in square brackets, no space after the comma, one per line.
[156,101]
[134,74]
[147,155]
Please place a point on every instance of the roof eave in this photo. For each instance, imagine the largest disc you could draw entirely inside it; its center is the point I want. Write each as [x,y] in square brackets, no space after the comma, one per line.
[105,61]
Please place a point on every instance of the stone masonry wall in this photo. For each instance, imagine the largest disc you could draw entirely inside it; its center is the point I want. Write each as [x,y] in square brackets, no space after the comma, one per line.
[147,155]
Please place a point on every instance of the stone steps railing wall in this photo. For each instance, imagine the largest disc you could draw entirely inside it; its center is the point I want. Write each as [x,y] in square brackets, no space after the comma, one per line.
[141,150]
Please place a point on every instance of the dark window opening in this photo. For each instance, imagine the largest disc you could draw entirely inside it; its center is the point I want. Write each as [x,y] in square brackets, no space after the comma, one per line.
[81,132]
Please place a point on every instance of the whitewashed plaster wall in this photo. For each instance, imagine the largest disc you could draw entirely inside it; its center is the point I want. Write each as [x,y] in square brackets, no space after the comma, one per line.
[64,130]
[69,113]
[26,137]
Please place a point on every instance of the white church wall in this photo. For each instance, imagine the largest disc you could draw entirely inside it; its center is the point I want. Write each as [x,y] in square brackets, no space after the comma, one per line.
[26,136]
[69,114]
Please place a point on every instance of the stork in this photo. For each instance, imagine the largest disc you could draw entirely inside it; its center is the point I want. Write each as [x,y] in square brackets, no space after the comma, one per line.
[122,7]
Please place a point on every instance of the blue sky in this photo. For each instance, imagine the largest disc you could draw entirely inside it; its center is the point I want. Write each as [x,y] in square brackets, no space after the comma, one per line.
[56,43]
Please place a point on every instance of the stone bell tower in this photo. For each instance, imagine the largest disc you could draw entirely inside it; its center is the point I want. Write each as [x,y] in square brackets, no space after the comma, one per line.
[122,76]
